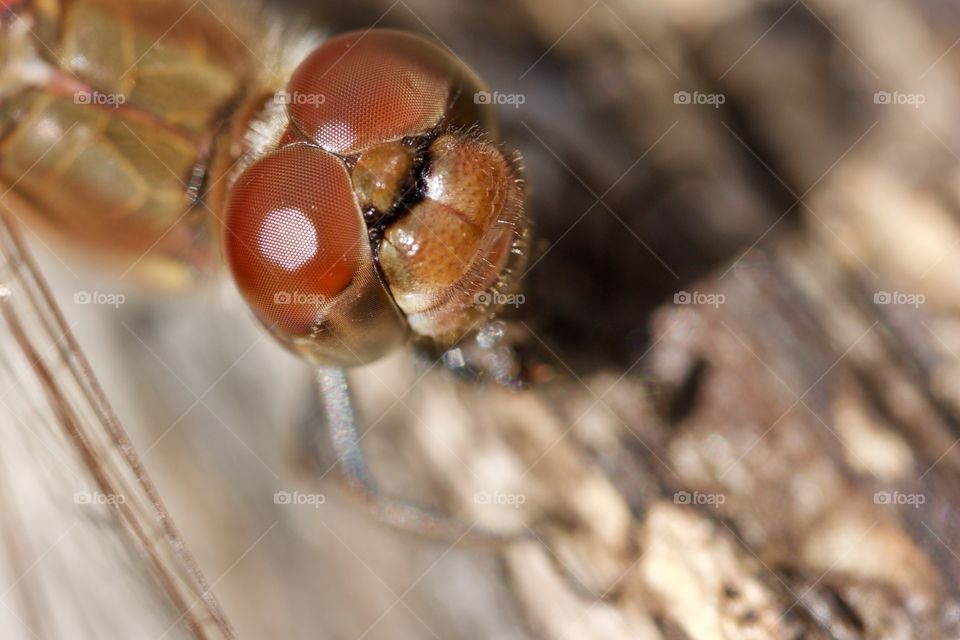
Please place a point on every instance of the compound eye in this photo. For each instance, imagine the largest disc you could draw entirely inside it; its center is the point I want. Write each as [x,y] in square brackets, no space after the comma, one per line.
[293,237]
[297,248]
[369,87]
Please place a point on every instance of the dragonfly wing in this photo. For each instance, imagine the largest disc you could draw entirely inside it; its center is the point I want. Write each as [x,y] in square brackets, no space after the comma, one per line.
[77,504]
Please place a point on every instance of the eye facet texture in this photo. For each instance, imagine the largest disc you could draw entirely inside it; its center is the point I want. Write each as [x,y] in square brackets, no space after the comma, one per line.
[299,253]
[367,87]
[293,235]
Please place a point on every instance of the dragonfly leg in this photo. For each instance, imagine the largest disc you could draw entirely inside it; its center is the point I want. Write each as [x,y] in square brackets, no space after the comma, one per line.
[340,420]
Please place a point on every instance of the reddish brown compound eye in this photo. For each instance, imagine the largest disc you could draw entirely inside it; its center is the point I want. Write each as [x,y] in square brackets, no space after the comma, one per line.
[297,247]
[370,87]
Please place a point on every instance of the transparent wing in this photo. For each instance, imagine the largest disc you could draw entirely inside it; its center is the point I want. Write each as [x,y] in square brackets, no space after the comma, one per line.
[88,549]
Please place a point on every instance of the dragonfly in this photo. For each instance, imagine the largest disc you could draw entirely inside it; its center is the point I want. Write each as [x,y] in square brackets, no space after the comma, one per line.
[353,189]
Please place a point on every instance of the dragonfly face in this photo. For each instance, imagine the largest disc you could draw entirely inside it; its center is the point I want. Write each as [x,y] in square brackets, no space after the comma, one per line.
[380,209]
[386,209]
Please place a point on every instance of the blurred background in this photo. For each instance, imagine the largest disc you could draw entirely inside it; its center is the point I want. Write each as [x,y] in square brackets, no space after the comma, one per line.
[741,306]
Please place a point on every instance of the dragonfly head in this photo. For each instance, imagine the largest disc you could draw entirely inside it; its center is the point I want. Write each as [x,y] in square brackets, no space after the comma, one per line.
[387,209]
